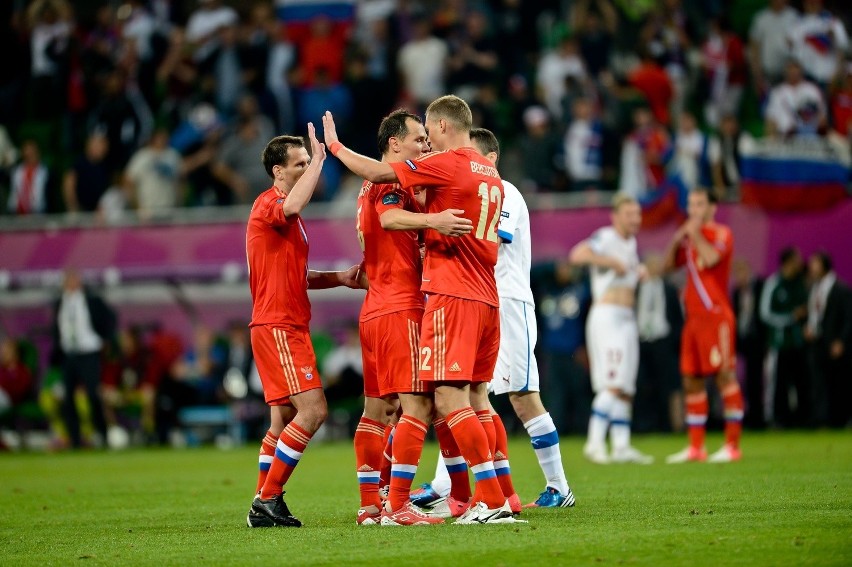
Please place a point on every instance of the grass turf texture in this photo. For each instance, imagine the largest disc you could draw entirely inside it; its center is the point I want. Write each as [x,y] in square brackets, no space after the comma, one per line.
[789,502]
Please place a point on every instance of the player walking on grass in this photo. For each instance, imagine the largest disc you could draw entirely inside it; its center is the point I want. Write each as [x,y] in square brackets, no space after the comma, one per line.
[460,333]
[277,252]
[388,223]
[612,335]
[707,345]
[516,371]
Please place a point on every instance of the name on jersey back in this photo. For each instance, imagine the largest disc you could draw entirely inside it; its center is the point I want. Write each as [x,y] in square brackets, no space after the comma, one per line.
[489,170]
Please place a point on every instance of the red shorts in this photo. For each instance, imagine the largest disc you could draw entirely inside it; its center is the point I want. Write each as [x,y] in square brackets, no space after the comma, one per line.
[459,340]
[390,354]
[285,360]
[707,345]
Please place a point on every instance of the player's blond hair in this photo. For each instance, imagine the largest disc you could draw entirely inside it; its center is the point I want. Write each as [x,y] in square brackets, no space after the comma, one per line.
[452,109]
[621,199]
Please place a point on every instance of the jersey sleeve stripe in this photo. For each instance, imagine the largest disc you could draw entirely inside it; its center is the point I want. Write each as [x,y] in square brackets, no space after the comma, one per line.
[504,235]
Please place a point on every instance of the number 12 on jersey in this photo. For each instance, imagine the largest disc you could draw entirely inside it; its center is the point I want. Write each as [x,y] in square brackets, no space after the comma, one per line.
[488,196]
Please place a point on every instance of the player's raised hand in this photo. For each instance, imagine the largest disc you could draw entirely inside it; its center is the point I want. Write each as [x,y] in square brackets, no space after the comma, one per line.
[329,129]
[449,222]
[317,147]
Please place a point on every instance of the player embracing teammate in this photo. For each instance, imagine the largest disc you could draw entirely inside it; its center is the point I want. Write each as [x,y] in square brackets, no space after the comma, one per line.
[460,333]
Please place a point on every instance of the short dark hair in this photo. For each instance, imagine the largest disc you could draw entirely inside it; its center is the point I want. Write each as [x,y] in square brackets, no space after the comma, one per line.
[825,260]
[485,141]
[277,151]
[394,126]
[712,197]
[787,254]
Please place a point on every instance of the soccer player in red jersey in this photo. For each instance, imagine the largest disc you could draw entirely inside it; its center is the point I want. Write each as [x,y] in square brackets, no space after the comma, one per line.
[705,247]
[387,225]
[279,278]
[460,335]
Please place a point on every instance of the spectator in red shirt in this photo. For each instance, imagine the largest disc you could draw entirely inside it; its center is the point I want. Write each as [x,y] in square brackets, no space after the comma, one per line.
[841,104]
[652,81]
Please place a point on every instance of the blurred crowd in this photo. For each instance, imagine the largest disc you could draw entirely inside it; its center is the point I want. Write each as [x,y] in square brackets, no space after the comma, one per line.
[107,384]
[146,105]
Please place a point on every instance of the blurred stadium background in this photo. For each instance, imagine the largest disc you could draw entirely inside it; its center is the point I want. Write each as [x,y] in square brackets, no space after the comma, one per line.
[130,135]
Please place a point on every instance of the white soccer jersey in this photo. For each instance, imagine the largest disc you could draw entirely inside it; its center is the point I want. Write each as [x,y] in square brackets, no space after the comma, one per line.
[607,242]
[514,258]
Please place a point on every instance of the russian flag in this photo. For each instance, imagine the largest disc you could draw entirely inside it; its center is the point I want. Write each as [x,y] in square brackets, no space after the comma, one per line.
[804,174]
[297,15]
[306,10]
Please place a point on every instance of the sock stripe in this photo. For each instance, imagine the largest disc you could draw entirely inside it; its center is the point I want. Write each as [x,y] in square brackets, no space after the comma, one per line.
[696,420]
[414,422]
[438,422]
[371,429]
[600,414]
[545,441]
[460,415]
[623,422]
[297,433]
[371,477]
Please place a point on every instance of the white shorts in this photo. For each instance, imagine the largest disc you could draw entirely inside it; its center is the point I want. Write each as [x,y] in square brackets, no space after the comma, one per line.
[516,369]
[612,340]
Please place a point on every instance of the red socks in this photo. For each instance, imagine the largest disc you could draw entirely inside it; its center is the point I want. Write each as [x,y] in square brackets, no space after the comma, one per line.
[369,443]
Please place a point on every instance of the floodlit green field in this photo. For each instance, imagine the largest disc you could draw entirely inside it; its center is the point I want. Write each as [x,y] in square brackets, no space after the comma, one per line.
[788,503]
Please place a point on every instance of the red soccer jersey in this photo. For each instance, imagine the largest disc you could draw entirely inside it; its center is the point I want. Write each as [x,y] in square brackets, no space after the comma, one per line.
[277,252]
[459,179]
[391,257]
[707,287]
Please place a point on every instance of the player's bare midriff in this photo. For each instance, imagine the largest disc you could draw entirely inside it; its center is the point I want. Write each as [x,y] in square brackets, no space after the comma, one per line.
[622,296]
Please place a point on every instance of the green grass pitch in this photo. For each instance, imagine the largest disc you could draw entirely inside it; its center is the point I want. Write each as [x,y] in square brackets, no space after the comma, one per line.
[789,502]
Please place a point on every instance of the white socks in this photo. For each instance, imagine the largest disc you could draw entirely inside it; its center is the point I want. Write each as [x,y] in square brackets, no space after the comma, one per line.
[545,442]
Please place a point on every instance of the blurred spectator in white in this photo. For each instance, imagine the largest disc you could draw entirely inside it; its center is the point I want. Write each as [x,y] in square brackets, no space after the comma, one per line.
[422,62]
[768,43]
[473,60]
[140,31]
[596,24]
[31,182]
[690,152]
[751,339]
[555,66]
[51,28]
[123,116]
[829,332]
[643,155]
[204,24]
[796,106]
[114,204]
[724,64]
[89,177]
[659,397]
[723,153]
[541,147]
[583,147]
[238,159]
[819,41]
[153,176]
